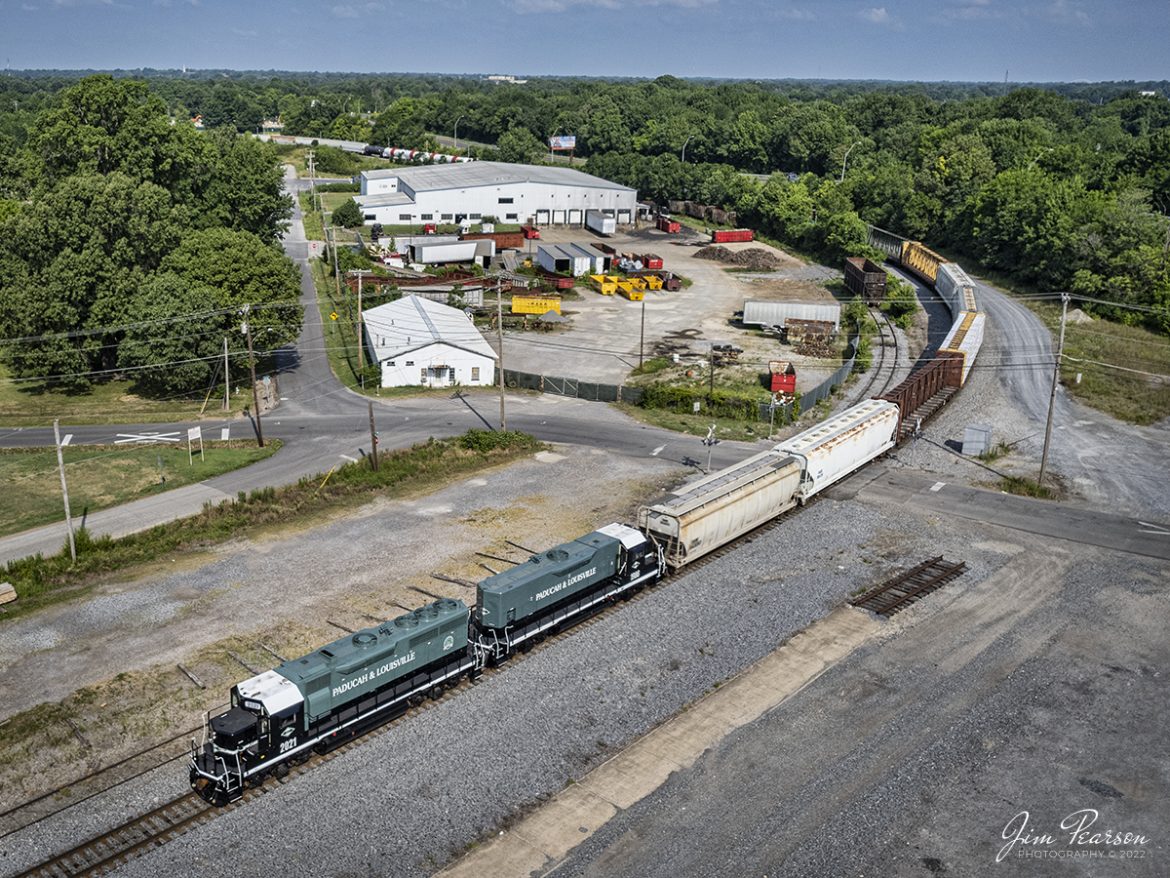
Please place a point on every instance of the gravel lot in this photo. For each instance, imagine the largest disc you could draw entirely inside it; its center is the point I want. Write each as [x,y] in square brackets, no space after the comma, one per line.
[911,756]
[464,766]
[602,343]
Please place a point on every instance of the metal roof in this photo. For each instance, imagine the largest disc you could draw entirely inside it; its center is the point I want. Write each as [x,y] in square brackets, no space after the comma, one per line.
[469,174]
[383,199]
[413,322]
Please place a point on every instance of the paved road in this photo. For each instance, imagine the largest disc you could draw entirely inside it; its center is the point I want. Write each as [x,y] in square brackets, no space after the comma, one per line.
[1119,466]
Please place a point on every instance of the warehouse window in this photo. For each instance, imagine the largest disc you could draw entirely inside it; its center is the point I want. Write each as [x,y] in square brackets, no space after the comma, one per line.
[447,216]
[370,216]
[427,216]
[506,200]
[391,362]
[404,216]
[410,362]
[475,216]
[510,216]
[475,373]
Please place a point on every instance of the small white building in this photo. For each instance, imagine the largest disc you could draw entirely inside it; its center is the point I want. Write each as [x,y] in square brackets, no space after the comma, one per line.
[511,193]
[570,258]
[418,342]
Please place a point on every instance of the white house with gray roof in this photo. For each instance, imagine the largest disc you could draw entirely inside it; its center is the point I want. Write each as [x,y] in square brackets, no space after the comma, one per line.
[510,193]
[420,342]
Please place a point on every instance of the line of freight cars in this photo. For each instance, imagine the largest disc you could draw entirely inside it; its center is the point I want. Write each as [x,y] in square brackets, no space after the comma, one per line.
[318,701]
[949,369]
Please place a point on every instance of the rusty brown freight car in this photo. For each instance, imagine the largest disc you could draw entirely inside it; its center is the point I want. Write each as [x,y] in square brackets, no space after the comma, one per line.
[865,278]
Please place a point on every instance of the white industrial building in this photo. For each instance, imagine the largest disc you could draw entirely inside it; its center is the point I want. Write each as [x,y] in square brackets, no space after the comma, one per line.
[510,193]
[420,342]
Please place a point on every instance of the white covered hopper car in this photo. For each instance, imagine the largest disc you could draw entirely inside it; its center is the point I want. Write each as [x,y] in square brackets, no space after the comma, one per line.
[711,512]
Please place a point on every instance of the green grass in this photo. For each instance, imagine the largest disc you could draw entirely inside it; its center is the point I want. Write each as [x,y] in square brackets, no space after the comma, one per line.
[696,425]
[43,581]
[1026,488]
[101,476]
[32,404]
[1128,396]
[314,225]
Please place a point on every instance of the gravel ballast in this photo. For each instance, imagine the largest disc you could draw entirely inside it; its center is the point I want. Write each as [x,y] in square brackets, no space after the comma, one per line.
[408,799]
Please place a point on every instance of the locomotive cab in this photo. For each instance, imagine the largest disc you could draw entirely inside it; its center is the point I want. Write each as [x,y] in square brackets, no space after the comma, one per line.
[239,744]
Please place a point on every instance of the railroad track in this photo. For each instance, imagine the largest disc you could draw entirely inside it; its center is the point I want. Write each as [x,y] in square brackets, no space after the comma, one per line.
[908,587]
[125,842]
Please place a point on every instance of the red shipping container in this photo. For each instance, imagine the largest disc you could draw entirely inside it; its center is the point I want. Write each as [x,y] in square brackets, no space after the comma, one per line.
[531,233]
[783,376]
[666,224]
[731,236]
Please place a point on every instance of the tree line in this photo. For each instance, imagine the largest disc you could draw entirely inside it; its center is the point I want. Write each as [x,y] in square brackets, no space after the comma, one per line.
[130,242]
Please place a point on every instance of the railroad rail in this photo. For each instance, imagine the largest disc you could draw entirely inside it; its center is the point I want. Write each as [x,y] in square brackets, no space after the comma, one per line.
[125,842]
[908,587]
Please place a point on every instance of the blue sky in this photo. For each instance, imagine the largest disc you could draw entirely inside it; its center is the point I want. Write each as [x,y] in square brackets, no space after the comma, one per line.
[981,40]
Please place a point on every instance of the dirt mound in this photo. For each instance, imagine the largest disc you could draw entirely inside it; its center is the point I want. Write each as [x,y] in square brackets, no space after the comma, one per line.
[754,258]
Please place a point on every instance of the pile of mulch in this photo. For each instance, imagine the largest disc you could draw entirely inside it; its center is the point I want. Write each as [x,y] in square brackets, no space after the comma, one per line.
[816,348]
[753,258]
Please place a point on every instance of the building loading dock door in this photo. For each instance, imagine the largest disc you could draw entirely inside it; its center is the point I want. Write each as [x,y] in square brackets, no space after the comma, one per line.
[576,218]
[558,218]
[542,217]
[438,376]
[623,217]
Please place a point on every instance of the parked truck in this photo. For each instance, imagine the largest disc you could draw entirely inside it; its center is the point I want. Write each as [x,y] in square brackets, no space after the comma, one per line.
[598,222]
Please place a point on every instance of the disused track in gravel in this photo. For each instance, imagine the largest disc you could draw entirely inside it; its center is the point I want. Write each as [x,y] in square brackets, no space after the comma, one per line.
[86,787]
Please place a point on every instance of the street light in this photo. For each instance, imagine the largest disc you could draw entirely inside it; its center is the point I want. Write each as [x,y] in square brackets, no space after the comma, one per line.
[683,158]
[844,160]
[455,135]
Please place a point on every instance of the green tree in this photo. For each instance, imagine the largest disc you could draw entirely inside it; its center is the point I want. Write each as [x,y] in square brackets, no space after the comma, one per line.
[244,270]
[174,344]
[348,214]
[245,190]
[519,145]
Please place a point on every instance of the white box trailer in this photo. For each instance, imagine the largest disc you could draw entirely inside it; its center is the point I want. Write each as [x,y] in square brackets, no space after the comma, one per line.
[834,448]
[964,341]
[955,288]
[451,251]
[759,313]
[722,506]
[600,223]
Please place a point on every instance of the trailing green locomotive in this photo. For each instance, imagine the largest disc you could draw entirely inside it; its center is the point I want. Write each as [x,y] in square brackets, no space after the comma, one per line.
[358,682]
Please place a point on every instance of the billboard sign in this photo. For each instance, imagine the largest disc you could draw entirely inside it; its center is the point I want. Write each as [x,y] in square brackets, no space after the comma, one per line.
[563,142]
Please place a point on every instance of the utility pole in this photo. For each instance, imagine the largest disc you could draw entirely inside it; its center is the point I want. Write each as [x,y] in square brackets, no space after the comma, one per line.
[1055,381]
[312,178]
[642,336]
[361,338]
[64,489]
[226,380]
[373,440]
[711,391]
[500,340]
[252,370]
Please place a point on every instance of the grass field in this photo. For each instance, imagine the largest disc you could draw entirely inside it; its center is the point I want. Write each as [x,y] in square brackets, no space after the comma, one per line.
[1127,395]
[31,404]
[103,476]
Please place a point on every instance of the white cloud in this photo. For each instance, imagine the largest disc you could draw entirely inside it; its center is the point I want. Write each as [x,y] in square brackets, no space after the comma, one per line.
[1069,11]
[791,13]
[535,6]
[875,15]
